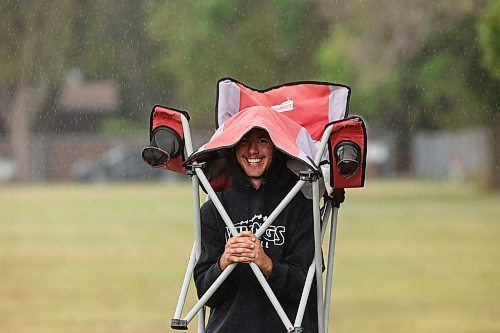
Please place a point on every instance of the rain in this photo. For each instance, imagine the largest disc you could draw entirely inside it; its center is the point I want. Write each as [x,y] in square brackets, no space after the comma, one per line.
[78,83]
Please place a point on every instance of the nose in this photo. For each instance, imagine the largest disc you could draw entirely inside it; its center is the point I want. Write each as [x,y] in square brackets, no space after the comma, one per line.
[253,146]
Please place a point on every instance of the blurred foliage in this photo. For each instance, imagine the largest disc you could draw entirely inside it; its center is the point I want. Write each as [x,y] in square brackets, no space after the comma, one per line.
[115,125]
[489,34]
[450,83]
[411,64]
[415,61]
[112,42]
[414,64]
[34,36]
[261,43]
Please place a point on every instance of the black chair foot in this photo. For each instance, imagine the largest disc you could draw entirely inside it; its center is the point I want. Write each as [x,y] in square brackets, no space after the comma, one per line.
[179,324]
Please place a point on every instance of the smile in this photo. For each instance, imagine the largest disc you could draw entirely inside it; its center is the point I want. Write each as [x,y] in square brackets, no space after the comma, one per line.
[254,160]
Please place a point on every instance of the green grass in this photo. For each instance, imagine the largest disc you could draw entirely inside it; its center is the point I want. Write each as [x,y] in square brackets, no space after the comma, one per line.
[411,257]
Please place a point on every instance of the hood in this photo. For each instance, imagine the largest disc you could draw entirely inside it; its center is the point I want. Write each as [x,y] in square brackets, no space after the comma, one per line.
[289,138]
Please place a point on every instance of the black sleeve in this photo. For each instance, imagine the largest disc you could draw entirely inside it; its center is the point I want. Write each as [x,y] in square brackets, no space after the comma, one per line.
[288,276]
[207,268]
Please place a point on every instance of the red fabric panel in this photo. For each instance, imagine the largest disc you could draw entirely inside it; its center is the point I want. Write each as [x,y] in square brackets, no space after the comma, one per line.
[350,129]
[283,131]
[310,104]
[220,182]
[163,116]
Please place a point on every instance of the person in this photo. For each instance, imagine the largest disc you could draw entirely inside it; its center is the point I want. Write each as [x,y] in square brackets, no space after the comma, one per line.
[260,180]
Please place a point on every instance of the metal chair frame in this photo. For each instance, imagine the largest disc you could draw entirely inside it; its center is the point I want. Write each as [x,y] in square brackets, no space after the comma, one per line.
[321,216]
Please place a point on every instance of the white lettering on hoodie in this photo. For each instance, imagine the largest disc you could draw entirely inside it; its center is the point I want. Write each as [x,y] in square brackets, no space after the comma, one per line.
[274,235]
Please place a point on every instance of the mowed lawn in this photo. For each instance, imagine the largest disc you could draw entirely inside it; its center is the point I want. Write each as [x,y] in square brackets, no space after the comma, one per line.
[411,257]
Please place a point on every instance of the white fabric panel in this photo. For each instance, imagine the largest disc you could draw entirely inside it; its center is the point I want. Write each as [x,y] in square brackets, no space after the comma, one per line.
[306,145]
[218,131]
[229,101]
[337,103]
[325,170]
[326,155]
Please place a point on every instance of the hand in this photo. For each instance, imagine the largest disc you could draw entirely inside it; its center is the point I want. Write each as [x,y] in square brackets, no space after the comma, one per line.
[246,248]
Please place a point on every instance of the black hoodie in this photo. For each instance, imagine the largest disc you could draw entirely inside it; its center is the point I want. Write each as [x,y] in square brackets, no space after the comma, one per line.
[240,304]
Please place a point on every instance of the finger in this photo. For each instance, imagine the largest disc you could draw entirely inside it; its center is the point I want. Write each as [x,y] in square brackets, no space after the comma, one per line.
[239,239]
[241,242]
[235,242]
[239,259]
[247,234]
[240,250]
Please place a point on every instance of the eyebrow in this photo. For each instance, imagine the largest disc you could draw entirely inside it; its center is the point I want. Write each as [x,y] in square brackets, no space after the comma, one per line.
[262,133]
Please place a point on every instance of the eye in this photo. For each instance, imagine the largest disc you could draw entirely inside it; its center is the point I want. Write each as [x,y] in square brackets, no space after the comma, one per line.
[264,141]
[244,141]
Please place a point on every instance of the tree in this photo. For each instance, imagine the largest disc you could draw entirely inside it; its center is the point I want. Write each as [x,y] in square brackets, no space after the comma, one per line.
[119,49]
[43,40]
[261,43]
[412,64]
[451,88]
[34,36]
[489,32]
[373,42]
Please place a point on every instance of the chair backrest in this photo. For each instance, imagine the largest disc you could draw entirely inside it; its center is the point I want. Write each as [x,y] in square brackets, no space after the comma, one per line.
[310,104]
[288,136]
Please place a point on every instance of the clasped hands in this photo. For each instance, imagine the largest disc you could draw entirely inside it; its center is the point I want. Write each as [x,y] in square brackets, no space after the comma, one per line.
[245,248]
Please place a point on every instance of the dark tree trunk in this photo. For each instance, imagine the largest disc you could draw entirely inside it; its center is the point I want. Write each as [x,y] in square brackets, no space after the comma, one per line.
[19,132]
[27,101]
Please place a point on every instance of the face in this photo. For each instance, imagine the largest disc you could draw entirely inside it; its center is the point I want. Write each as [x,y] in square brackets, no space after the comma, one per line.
[254,153]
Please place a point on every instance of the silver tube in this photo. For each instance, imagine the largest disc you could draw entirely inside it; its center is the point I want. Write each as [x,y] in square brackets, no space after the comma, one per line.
[286,200]
[305,296]
[322,145]
[187,135]
[324,219]
[270,294]
[310,272]
[201,320]
[185,284]
[206,296]
[317,256]
[329,270]
[197,240]
[215,199]
[197,222]
[197,218]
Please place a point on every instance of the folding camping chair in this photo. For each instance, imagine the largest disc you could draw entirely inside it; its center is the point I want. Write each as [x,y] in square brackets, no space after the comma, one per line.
[306,120]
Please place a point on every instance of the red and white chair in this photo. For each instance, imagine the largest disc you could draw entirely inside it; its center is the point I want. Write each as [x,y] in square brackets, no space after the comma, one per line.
[308,121]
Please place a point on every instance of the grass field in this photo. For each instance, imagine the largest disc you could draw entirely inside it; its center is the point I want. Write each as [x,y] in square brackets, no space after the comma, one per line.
[411,257]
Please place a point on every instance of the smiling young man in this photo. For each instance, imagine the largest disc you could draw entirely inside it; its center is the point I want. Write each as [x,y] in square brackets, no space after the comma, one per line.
[260,180]
[254,153]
